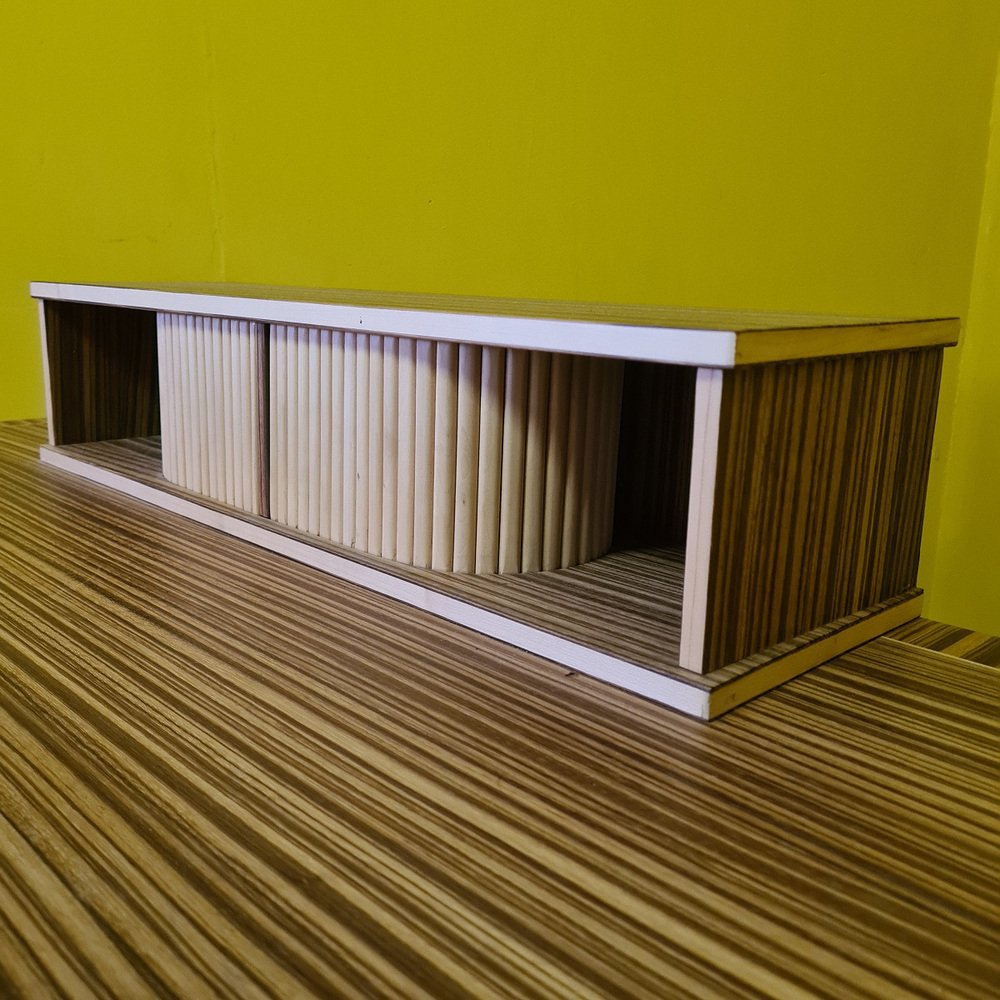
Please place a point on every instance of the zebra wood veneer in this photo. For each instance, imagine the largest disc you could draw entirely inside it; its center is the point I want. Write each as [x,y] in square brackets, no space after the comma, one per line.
[693,505]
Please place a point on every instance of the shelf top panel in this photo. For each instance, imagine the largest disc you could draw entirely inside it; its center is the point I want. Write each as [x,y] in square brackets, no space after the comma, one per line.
[704,337]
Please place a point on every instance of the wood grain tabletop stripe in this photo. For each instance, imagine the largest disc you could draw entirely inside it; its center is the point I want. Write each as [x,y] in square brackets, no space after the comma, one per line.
[223,774]
[820,494]
[977,647]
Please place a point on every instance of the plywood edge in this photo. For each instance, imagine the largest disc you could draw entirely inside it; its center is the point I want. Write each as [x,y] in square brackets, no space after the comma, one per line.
[691,699]
[677,345]
[770,675]
[755,347]
[50,422]
[697,557]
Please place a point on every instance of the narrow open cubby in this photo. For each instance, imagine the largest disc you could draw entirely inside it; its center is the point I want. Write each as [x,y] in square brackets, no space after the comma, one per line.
[692,505]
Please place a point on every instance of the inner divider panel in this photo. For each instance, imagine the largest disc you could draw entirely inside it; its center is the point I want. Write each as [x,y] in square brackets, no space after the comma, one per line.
[213,381]
[103,372]
[819,501]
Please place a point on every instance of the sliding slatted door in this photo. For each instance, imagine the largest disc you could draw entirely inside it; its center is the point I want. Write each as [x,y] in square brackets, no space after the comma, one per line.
[213,375]
[418,451]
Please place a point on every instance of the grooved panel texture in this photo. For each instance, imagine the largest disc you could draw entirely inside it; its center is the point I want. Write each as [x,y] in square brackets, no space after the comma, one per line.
[212,376]
[820,494]
[453,457]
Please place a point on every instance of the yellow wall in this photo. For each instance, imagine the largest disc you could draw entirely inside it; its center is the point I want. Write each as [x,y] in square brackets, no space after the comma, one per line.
[964,566]
[782,154]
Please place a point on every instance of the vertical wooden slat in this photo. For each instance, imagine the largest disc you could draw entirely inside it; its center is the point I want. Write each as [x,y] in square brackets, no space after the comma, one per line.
[337,434]
[202,334]
[362,473]
[515,401]
[350,425]
[279,407]
[445,445]
[406,438]
[192,409]
[423,454]
[390,445]
[292,348]
[324,472]
[557,433]
[375,397]
[302,428]
[469,407]
[218,389]
[490,456]
[534,462]
[593,431]
[314,409]
[228,426]
[575,484]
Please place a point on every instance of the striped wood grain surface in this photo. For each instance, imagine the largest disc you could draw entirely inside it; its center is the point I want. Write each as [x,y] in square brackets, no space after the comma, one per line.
[966,644]
[819,495]
[226,775]
[626,604]
[103,372]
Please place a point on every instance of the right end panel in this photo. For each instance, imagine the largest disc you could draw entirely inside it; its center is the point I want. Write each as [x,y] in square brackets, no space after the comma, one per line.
[819,499]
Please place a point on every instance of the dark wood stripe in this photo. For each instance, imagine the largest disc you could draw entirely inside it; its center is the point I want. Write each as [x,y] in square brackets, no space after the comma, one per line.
[627,604]
[977,647]
[224,774]
[102,364]
[644,587]
[820,494]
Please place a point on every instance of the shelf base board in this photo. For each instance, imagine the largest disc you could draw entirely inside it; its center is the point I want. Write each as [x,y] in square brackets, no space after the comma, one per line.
[703,696]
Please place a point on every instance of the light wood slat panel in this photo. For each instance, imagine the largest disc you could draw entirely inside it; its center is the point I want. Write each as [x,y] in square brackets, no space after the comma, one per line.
[434,459]
[251,780]
[966,644]
[819,495]
[217,413]
[103,372]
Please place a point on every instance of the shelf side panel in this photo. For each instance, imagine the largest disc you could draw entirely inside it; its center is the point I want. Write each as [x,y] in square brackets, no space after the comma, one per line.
[820,492]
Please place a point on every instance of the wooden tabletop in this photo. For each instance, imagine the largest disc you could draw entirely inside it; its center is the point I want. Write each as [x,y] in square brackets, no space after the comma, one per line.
[223,774]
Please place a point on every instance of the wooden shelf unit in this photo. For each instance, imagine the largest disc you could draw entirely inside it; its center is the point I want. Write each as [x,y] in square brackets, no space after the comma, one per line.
[764,474]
